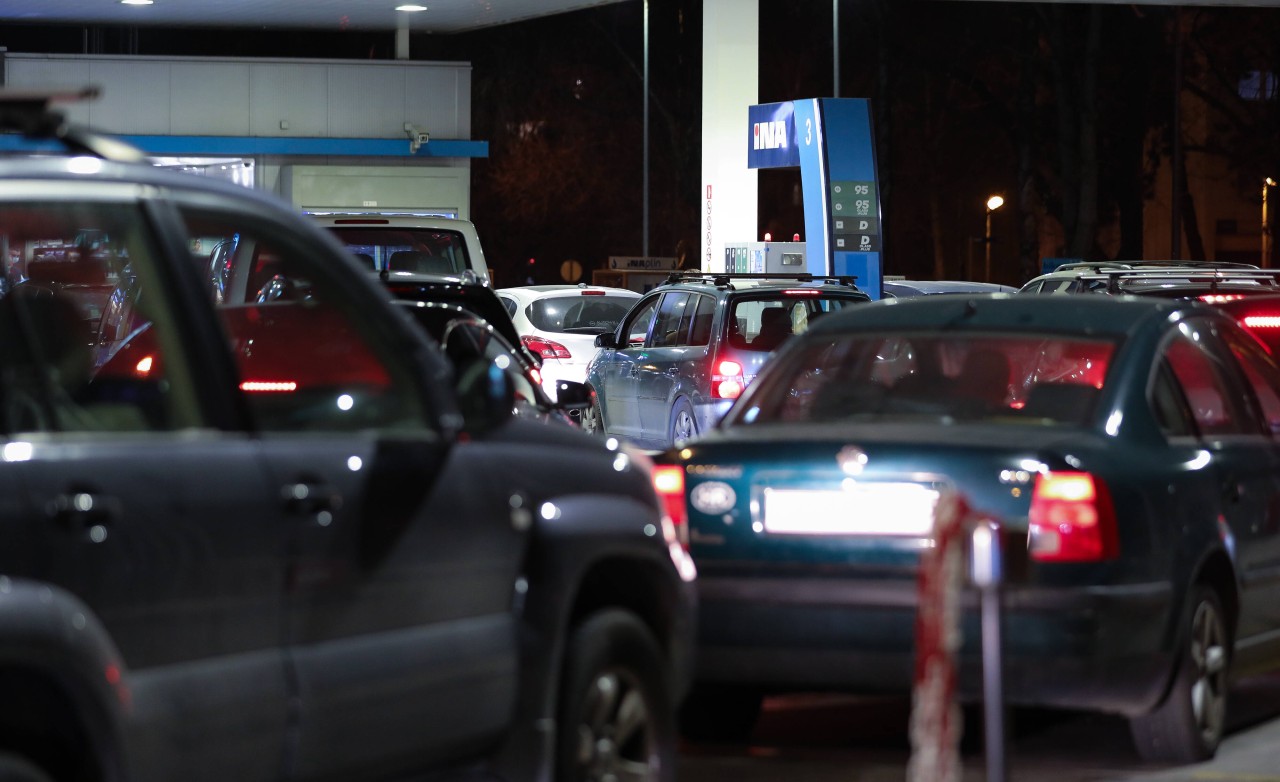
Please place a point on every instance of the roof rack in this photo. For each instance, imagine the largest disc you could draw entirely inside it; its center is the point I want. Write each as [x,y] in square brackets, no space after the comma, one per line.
[726,279]
[29,112]
[1214,275]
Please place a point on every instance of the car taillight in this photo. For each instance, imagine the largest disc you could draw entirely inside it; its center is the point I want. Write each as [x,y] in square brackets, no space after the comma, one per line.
[269,386]
[545,347]
[1072,519]
[1219,298]
[1262,321]
[801,292]
[592,293]
[668,482]
[727,382]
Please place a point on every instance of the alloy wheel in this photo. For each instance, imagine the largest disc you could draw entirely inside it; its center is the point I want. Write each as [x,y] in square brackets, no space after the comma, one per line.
[616,740]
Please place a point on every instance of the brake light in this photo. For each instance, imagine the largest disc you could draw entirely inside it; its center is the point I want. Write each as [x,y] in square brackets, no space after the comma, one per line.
[1072,519]
[545,347]
[668,483]
[801,292]
[727,382]
[592,293]
[1219,298]
[269,386]
[1262,321]
[144,366]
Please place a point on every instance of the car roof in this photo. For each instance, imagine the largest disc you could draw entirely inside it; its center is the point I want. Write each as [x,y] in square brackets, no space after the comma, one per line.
[932,287]
[374,220]
[732,283]
[1084,315]
[535,291]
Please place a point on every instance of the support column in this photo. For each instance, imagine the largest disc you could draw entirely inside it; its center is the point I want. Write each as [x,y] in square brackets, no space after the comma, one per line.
[730,84]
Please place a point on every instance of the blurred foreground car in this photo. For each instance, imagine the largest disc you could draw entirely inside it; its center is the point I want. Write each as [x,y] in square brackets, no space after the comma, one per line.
[688,348]
[257,527]
[560,323]
[1129,444]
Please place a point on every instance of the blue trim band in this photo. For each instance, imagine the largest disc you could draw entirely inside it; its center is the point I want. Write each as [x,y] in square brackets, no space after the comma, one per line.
[260,145]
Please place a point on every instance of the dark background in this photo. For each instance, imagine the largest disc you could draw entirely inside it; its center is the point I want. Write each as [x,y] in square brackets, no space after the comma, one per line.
[1065,109]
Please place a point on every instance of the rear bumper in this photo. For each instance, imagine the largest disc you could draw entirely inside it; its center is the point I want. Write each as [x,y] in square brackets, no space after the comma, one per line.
[1099,648]
[553,370]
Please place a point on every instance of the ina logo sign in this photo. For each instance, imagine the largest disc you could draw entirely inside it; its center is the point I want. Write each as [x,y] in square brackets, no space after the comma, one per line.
[770,135]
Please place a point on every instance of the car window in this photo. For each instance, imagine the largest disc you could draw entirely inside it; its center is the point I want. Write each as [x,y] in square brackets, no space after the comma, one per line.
[87,335]
[1262,375]
[671,316]
[762,323]
[1215,404]
[418,250]
[702,317]
[309,357]
[1016,379]
[1170,405]
[509,304]
[636,328]
[579,313]
[466,341]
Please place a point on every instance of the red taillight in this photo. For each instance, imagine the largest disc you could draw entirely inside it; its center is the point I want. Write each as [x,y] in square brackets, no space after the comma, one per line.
[546,348]
[269,386]
[1219,298]
[592,293]
[668,482]
[801,292]
[1071,519]
[727,382]
[1262,321]
[144,366]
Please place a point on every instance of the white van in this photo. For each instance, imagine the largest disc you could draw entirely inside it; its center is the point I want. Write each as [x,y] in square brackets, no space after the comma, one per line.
[421,245]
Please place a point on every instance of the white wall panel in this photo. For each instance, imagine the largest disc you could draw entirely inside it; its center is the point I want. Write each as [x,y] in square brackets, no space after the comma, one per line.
[294,93]
[194,113]
[376,188]
[444,121]
[135,97]
[41,72]
[367,102]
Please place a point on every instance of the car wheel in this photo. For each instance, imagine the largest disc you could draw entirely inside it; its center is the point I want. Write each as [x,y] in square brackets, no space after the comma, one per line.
[1187,725]
[593,417]
[720,712]
[683,425]
[616,721]
[14,768]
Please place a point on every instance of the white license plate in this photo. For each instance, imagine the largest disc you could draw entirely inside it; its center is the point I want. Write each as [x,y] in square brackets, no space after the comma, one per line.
[874,508]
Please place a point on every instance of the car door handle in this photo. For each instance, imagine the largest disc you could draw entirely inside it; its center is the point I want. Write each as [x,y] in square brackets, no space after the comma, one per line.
[311,498]
[80,511]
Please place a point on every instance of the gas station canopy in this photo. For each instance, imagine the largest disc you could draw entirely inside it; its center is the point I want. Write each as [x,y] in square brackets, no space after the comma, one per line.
[436,16]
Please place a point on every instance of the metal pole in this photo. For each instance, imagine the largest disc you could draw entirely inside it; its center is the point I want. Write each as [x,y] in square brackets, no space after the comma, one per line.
[835,46]
[644,210]
[987,571]
[1266,226]
[986,246]
[1175,246]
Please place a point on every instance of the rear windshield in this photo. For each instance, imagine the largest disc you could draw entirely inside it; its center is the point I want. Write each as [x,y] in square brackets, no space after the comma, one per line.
[1034,379]
[764,323]
[420,250]
[579,314]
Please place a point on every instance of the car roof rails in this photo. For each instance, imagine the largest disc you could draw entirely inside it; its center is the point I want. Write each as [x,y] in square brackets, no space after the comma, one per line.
[30,113]
[1212,274]
[726,279]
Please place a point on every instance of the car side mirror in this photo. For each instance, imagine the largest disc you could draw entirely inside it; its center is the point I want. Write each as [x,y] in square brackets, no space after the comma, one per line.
[606,340]
[572,395]
[485,395]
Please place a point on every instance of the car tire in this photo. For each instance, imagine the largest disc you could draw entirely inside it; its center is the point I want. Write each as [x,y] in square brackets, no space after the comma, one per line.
[593,417]
[720,712]
[15,768]
[616,718]
[683,425]
[1188,724]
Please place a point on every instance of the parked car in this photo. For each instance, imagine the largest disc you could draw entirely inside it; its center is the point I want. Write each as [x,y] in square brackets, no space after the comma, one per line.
[1211,282]
[560,324]
[688,348]
[465,338]
[1260,315]
[427,244]
[899,288]
[266,530]
[1131,445]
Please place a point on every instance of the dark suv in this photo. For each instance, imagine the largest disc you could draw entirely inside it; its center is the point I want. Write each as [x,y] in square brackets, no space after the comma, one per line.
[687,349]
[259,537]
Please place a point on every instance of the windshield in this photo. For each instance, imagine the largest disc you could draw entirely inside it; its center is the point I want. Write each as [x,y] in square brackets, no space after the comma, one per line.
[764,323]
[420,250]
[1037,379]
[579,314]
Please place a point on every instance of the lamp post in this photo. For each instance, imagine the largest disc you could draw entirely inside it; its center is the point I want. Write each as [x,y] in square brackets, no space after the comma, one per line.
[1267,184]
[993,203]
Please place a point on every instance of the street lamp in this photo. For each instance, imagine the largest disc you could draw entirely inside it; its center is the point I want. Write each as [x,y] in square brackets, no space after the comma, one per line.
[993,203]
[1267,184]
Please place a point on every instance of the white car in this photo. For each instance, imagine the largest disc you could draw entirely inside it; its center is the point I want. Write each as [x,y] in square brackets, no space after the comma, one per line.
[560,324]
[409,243]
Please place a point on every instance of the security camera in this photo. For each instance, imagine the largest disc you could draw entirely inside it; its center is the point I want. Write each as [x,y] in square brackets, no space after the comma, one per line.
[417,137]
[422,137]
